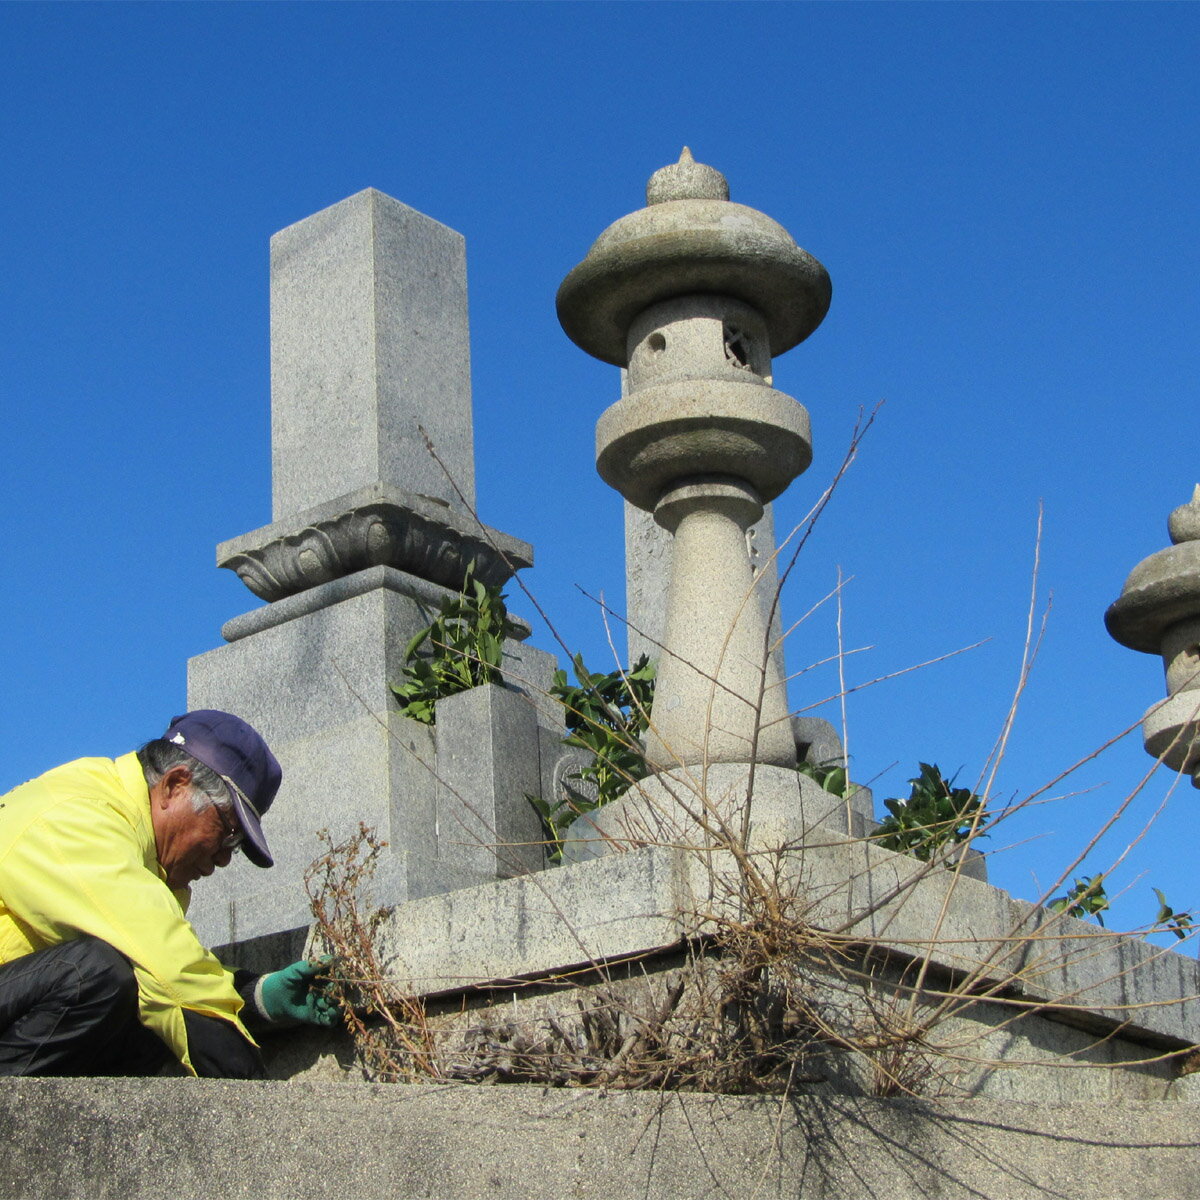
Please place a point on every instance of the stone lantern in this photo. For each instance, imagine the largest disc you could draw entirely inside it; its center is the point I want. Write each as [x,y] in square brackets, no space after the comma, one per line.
[695,295]
[1158,612]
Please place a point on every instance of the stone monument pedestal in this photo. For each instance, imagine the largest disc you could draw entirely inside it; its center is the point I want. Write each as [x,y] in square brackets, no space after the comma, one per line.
[317,688]
[701,807]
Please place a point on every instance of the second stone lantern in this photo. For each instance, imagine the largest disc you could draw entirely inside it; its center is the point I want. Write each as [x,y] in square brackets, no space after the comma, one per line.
[1158,612]
[695,295]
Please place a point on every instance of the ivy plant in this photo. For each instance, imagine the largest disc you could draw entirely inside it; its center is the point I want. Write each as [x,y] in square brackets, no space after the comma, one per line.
[936,815]
[1085,898]
[606,714]
[461,649]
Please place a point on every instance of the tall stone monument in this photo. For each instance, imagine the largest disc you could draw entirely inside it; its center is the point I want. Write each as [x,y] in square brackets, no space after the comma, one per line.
[1158,612]
[373,485]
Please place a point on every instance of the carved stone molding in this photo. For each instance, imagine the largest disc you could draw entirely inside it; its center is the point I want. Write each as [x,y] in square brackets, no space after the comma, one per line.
[567,784]
[377,526]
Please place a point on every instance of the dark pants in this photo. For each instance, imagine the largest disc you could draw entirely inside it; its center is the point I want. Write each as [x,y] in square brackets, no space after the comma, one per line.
[73,1010]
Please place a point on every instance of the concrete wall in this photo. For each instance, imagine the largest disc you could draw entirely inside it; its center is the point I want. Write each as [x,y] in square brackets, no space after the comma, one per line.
[180,1138]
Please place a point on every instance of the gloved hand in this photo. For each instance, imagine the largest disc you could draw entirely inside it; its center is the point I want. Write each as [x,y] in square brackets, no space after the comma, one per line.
[294,994]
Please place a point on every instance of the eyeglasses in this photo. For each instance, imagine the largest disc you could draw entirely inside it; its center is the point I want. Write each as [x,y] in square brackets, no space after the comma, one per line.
[231,836]
[236,835]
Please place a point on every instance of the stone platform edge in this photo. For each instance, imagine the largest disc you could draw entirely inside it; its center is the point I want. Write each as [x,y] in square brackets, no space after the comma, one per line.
[645,901]
[147,1139]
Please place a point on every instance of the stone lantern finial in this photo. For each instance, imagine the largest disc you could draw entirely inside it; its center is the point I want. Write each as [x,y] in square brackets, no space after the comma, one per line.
[694,295]
[686,180]
[1184,522]
[1158,612]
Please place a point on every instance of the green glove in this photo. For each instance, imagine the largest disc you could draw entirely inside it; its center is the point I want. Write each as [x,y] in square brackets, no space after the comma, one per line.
[295,994]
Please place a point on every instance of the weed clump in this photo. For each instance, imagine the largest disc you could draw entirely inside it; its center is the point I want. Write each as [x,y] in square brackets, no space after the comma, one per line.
[389,1030]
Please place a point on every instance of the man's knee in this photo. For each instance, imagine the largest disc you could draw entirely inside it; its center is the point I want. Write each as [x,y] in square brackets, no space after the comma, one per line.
[82,973]
[100,975]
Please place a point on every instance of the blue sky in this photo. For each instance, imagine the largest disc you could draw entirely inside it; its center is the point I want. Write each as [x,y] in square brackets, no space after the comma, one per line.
[1004,196]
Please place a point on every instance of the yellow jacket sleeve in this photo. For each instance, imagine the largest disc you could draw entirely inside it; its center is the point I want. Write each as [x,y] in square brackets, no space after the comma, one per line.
[86,864]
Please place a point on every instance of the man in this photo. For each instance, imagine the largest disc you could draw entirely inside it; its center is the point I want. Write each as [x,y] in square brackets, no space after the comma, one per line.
[100,972]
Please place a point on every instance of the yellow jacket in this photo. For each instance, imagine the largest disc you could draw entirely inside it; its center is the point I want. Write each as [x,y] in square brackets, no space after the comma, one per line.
[77,856]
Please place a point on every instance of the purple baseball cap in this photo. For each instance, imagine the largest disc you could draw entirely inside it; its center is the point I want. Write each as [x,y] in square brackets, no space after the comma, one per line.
[238,754]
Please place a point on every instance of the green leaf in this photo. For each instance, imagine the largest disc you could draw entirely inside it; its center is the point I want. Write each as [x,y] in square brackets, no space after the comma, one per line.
[415,642]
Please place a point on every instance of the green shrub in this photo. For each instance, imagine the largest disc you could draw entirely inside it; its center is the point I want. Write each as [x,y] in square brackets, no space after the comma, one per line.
[606,715]
[935,815]
[462,649]
[832,778]
[1086,897]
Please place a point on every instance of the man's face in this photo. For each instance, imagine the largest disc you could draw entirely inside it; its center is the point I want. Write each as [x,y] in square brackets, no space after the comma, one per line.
[190,844]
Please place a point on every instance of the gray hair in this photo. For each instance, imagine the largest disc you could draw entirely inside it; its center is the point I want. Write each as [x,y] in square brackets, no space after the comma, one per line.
[208,789]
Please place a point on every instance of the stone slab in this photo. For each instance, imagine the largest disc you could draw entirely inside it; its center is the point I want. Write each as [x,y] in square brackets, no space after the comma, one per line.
[976,1051]
[428,595]
[488,761]
[264,954]
[355,771]
[537,924]
[118,1139]
[316,671]
[369,354]
[637,903]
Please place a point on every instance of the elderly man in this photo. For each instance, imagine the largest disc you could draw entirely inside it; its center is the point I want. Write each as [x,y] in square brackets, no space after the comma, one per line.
[100,972]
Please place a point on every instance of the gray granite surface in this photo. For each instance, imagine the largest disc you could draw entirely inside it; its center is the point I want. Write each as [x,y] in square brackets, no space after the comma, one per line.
[118,1139]
[369,355]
